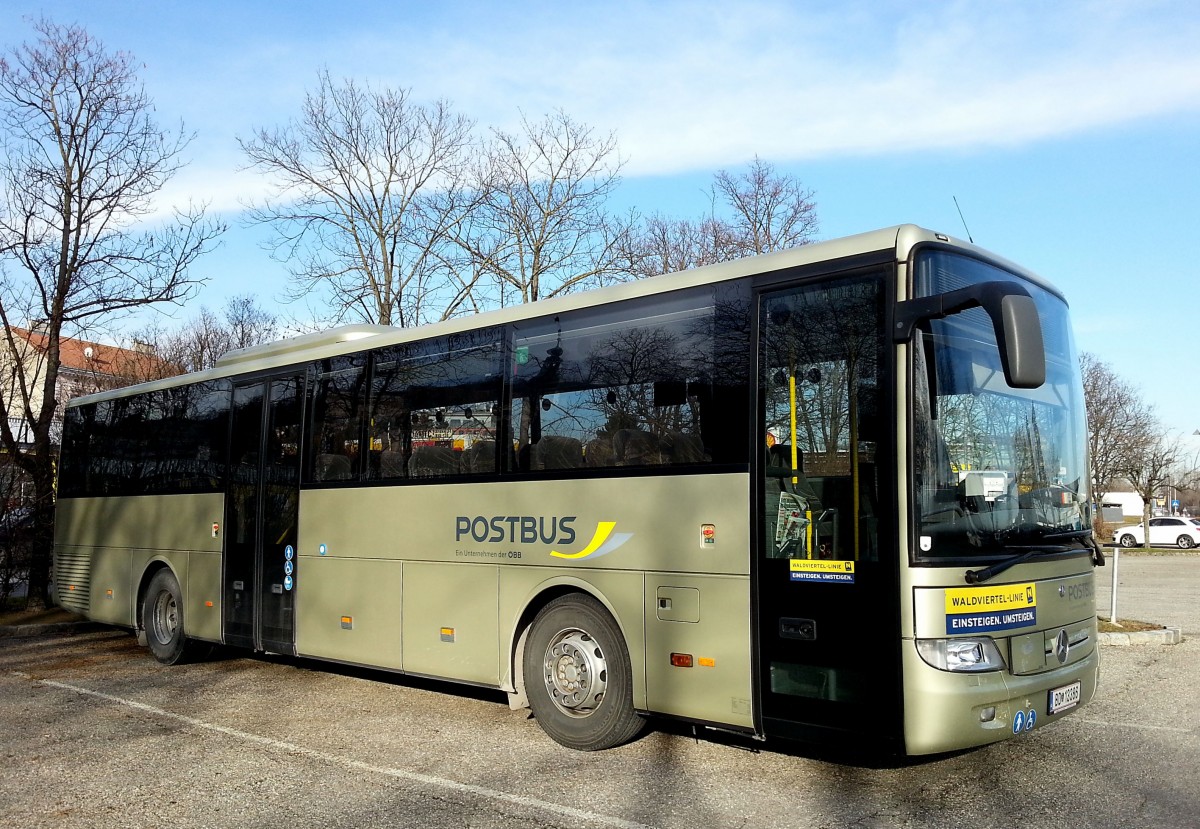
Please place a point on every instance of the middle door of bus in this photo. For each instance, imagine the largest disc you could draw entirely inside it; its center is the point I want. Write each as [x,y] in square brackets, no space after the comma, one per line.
[260,566]
[825,567]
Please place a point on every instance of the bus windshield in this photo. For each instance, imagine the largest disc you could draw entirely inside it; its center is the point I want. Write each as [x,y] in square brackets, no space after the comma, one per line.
[997,470]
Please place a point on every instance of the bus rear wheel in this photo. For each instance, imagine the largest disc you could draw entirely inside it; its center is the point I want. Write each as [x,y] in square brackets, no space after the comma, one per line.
[578,676]
[162,619]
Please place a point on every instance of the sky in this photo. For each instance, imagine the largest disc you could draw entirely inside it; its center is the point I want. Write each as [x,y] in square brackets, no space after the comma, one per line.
[1068,132]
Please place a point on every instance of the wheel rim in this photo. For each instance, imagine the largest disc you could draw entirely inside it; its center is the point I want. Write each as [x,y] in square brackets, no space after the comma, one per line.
[1127,541]
[1185,541]
[164,620]
[575,672]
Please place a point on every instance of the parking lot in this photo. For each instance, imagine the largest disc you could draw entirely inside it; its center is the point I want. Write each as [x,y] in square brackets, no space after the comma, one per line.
[1161,587]
[95,733]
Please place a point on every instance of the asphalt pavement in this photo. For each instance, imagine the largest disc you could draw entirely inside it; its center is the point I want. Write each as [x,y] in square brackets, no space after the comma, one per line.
[1162,587]
[95,733]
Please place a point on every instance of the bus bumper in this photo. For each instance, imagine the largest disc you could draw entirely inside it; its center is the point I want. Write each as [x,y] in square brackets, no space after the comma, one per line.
[946,711]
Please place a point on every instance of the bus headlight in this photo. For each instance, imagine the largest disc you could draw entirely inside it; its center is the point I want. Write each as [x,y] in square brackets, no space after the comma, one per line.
[961,655]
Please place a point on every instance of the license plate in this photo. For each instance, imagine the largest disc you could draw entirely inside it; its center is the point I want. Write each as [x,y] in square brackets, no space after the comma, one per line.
[1064,698]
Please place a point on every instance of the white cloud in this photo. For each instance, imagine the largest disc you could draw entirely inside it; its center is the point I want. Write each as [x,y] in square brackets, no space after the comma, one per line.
[688,89]
[944,82]
[695,86]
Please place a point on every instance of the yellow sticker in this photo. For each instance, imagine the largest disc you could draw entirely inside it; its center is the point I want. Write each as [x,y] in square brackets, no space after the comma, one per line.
[804,569]
[1000,597]
[988,609]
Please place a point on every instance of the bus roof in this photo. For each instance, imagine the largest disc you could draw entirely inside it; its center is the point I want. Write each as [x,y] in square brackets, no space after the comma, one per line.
[281,353]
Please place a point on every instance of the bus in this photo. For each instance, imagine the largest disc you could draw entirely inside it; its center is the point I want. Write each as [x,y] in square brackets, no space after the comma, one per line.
[835,494]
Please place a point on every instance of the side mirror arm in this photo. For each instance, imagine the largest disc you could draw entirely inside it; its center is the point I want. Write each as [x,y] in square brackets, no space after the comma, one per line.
[1014,319]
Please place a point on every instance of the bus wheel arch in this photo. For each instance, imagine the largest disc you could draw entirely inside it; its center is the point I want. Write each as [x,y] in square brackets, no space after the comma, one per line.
[575,671]
[161,623]
[538,599]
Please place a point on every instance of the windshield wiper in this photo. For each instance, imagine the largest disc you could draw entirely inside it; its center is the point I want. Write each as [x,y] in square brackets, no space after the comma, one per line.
[1087,537]
[1067,536]
[979,576]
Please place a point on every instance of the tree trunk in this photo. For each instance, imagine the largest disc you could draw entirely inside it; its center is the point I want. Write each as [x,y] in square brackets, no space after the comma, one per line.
[1146,522]
[42,539]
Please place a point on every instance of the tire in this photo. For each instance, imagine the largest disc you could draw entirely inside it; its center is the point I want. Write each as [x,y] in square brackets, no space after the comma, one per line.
[1184,542]
[162,619]
[578,677]
[1128,540]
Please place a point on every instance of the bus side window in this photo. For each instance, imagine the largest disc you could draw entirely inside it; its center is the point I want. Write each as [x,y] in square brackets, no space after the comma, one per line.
[435,406]
[335,423]
[626,392]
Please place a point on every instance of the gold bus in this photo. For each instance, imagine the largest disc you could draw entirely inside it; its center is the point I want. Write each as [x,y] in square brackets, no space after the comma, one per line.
[837,493]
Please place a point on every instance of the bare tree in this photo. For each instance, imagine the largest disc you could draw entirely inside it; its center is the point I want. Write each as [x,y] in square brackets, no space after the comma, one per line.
[770,211]
[83,160]
[197,344]
[368,186]
[1121,427]
[756,211]
[669,245]
[541,229]
[247,323]
[1189,491]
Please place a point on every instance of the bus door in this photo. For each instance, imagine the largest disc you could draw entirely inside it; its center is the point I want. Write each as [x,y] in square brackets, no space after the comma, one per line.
[825,568]
[260,515]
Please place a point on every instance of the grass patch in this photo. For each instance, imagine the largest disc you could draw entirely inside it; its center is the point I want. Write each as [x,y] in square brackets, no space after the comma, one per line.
[1125,626]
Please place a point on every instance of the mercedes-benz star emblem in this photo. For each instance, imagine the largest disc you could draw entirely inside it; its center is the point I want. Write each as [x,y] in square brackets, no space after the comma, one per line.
[1062,646]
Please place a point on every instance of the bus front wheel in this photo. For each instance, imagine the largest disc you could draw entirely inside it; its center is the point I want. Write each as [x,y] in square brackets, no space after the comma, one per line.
[578,677]
[162,619]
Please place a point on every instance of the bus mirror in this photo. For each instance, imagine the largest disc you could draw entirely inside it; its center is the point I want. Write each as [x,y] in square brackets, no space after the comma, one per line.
[1014,319]
[1019,333]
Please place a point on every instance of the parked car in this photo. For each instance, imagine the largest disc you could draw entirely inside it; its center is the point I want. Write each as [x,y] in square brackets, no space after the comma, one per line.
[1167,530]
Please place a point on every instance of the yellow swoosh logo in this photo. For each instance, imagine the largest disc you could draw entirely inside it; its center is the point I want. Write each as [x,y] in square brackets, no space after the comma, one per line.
[603,530]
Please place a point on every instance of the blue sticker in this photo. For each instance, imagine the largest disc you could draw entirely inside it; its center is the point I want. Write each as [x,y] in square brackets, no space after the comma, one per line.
[1030,720]
[288,567]
[287,582]
[990,622]
[322,549]
[1018,722]
[288,552]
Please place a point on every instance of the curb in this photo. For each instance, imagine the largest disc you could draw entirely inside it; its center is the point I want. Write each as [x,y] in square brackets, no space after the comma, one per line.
[27,631]
[1166,636]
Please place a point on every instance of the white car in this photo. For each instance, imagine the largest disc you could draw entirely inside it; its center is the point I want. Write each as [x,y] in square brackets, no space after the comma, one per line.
[1165,531]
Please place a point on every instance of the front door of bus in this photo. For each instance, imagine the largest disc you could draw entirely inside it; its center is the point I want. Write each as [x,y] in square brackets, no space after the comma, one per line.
[260,515]
[826,577]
